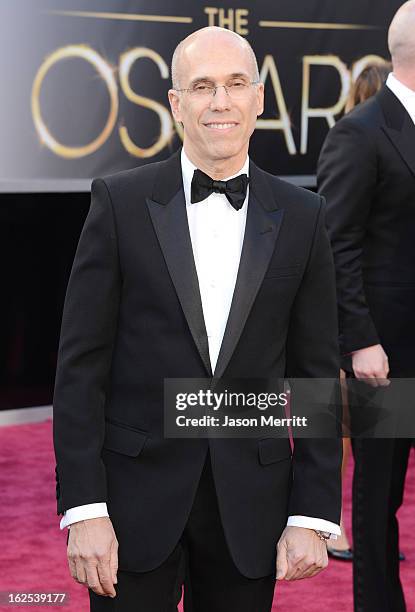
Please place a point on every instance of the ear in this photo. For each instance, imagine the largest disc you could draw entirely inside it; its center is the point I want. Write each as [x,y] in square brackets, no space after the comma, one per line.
[174,100]
[260,99]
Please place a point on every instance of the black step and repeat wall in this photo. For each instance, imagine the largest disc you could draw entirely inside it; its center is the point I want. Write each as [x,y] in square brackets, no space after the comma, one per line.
[86,81]
[84,94]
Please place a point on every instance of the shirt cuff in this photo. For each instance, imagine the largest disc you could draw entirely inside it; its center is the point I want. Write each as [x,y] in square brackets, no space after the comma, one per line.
[82,513]
[315,523]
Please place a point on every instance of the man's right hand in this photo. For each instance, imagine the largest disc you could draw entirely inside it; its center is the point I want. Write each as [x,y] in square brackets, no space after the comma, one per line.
[371,365]
[93,555]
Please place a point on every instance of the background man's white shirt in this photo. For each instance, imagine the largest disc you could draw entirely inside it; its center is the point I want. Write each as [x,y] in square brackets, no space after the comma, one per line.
[405,95]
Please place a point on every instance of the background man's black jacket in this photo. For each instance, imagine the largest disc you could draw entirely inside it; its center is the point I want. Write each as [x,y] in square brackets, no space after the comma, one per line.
[367,175]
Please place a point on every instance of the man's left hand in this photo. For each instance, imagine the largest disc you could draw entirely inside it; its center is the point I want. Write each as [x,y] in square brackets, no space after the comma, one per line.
[300,554]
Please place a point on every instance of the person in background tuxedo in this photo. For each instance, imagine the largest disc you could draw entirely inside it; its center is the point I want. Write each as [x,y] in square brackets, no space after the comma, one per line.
[367,84]
[196,266]
[366,172]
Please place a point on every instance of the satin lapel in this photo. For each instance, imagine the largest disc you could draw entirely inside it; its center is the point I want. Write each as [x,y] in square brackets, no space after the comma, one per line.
[404,141]
[261,231]
[399,127]
[170,223]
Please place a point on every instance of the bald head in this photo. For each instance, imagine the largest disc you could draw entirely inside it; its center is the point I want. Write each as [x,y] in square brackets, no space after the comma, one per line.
[401,38]
[204,40]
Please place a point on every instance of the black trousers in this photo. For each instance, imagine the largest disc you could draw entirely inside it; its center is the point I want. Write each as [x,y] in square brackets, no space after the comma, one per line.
[201,562]
[378,485]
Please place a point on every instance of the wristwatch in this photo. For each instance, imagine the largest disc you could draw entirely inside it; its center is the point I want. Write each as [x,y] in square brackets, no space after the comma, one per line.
[323,535]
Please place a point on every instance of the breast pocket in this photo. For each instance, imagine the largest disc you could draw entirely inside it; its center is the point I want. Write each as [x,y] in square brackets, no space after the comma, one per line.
[292,271]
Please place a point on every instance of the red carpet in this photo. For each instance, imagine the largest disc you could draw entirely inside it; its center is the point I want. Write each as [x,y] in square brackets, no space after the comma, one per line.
[32,552]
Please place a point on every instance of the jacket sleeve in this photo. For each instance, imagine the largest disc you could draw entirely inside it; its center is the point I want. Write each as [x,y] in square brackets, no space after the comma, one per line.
[312,353]
[88,330]
[347,178]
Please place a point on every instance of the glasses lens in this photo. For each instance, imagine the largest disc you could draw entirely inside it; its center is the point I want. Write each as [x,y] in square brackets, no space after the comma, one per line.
[202,91]
[238,90]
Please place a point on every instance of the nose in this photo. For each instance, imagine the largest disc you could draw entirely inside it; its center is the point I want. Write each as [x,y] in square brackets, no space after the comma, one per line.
[220,100]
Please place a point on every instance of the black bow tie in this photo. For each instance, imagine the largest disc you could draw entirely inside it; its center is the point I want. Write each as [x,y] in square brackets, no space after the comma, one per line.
[234,189]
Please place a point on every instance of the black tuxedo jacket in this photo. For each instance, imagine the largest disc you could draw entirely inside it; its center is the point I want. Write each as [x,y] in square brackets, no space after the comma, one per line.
[133,317]
[367,174]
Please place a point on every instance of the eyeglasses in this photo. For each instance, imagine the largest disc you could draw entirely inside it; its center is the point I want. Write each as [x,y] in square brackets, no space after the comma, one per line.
[236,91]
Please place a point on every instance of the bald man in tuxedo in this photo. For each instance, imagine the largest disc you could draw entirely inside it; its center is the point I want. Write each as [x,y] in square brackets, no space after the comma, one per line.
[198,266]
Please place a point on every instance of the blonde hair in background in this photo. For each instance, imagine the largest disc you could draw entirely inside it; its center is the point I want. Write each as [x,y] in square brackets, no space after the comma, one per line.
[368,83]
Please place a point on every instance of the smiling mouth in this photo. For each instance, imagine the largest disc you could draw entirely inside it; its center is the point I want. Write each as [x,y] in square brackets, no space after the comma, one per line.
[221,126]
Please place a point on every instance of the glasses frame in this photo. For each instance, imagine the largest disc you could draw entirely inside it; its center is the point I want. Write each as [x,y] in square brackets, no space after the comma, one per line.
[214,89]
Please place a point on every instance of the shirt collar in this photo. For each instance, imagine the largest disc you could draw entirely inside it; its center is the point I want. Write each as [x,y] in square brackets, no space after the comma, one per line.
[188,169]
[405,95]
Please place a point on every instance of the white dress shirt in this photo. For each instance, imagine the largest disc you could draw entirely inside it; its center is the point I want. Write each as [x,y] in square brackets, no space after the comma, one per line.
[217,232]
[405,95]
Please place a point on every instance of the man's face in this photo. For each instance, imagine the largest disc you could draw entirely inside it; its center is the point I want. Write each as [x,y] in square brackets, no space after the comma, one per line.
[216,127]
